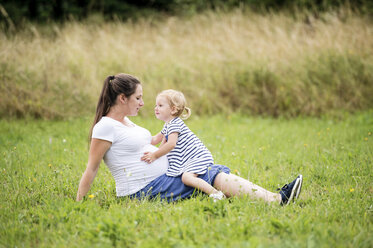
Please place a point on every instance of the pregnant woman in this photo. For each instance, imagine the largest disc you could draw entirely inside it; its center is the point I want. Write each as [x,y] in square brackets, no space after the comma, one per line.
[121,144]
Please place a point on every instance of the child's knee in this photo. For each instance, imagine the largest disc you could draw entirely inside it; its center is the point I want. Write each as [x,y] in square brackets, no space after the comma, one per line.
[185,178]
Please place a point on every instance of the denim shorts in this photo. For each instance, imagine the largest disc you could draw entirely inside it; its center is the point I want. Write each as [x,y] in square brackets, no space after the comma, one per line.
[172,188]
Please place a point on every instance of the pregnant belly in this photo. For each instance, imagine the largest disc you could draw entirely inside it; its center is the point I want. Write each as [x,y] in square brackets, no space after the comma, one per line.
[161,164]
[149,148]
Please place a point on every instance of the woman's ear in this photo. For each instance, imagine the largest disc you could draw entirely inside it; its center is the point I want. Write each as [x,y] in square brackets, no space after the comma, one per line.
[123,99]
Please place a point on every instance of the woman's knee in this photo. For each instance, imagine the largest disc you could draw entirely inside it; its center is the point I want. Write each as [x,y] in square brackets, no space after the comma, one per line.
[229,184]
[220,179]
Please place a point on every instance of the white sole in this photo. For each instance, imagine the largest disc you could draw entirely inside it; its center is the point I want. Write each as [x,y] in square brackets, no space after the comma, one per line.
[299,187]
[293,191]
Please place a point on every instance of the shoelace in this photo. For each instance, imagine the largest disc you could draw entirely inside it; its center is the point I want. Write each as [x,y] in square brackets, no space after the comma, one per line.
[283,187]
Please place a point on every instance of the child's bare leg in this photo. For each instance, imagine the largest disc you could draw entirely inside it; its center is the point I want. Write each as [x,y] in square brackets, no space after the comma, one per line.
[192,180]
[232,185]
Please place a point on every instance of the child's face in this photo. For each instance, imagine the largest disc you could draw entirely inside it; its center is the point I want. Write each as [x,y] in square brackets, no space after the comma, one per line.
[163,110]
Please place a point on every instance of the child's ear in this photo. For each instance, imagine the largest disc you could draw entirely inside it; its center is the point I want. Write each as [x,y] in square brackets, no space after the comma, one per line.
[173,110]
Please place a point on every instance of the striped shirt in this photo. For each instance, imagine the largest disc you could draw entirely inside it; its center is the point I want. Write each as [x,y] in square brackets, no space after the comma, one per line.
[189,154]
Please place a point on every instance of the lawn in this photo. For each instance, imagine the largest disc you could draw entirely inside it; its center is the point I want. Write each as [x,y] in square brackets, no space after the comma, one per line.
[42,162]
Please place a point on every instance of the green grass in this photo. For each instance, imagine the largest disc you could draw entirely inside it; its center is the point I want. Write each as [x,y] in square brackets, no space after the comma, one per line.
[42,161]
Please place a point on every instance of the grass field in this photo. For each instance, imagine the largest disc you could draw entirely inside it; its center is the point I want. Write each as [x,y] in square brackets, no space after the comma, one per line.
[42,161]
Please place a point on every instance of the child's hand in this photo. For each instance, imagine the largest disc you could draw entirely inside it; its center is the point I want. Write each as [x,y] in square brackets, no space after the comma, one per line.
[148,157]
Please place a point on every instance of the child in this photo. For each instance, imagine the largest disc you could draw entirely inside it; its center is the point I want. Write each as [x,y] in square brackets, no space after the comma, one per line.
[186,154]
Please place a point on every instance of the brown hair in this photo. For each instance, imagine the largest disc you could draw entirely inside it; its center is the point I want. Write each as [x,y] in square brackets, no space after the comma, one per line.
[113,86]
[176,99]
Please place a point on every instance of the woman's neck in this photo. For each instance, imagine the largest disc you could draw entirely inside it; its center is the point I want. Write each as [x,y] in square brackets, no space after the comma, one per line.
[116,114]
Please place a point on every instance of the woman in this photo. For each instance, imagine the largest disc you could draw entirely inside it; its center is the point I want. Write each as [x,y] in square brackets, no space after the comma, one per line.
[121,144]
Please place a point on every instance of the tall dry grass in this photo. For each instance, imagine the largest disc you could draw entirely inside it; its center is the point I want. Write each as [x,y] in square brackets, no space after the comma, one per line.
[273,64]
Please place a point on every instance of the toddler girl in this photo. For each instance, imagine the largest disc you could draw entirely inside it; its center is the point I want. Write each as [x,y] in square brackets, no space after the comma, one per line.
[186,154]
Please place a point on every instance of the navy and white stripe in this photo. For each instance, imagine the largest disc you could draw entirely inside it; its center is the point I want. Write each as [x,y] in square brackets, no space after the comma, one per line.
[189,154]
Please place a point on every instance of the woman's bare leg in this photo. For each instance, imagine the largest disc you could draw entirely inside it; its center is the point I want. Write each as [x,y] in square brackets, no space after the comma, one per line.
[232,185]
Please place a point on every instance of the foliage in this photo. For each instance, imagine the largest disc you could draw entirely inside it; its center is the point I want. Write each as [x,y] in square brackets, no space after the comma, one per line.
[42,161]
[271,64]
[58,10]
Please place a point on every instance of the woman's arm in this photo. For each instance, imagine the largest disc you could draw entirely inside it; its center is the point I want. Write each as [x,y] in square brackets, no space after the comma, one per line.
[157,138]
[163,149]
[97,151]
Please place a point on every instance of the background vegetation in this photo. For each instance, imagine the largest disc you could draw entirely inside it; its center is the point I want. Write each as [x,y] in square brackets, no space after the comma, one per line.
[273,63]
[59,10]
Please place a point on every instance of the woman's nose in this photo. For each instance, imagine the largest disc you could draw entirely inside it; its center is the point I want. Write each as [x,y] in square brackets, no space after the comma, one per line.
[142,102]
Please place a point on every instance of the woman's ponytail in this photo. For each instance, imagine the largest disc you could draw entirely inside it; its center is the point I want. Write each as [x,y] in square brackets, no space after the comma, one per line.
[103,104]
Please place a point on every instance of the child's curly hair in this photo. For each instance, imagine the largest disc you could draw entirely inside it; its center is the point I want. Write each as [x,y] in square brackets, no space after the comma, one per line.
[177,100]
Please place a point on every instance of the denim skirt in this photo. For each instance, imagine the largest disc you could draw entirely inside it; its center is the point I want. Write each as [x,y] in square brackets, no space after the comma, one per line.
[172,188]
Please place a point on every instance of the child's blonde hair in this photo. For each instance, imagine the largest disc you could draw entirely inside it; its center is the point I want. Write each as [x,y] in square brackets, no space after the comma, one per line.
[177,100]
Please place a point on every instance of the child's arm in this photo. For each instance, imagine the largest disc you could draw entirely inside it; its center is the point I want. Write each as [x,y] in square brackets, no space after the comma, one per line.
[157,138]
[163,141]
[163,150]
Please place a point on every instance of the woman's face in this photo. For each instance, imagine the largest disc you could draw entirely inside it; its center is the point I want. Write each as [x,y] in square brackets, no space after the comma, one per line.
[135,101]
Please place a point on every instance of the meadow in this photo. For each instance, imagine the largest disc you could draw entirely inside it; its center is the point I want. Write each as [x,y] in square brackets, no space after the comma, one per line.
[270,64]
[42,161]
[273,95]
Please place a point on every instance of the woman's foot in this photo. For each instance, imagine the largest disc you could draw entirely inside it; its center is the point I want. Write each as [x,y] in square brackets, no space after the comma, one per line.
[291,191]
[217,196]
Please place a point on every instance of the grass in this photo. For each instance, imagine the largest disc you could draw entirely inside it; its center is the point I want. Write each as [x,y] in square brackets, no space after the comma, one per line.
[273,64]
[42,161]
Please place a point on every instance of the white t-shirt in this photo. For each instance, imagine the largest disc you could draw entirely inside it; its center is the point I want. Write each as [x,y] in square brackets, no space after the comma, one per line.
[124,156]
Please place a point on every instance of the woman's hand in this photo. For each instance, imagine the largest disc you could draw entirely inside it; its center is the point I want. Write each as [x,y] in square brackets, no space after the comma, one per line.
[148,157]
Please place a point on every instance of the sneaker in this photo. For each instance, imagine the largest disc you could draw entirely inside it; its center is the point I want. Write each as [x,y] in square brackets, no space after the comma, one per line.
[288,191]
[217,196]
